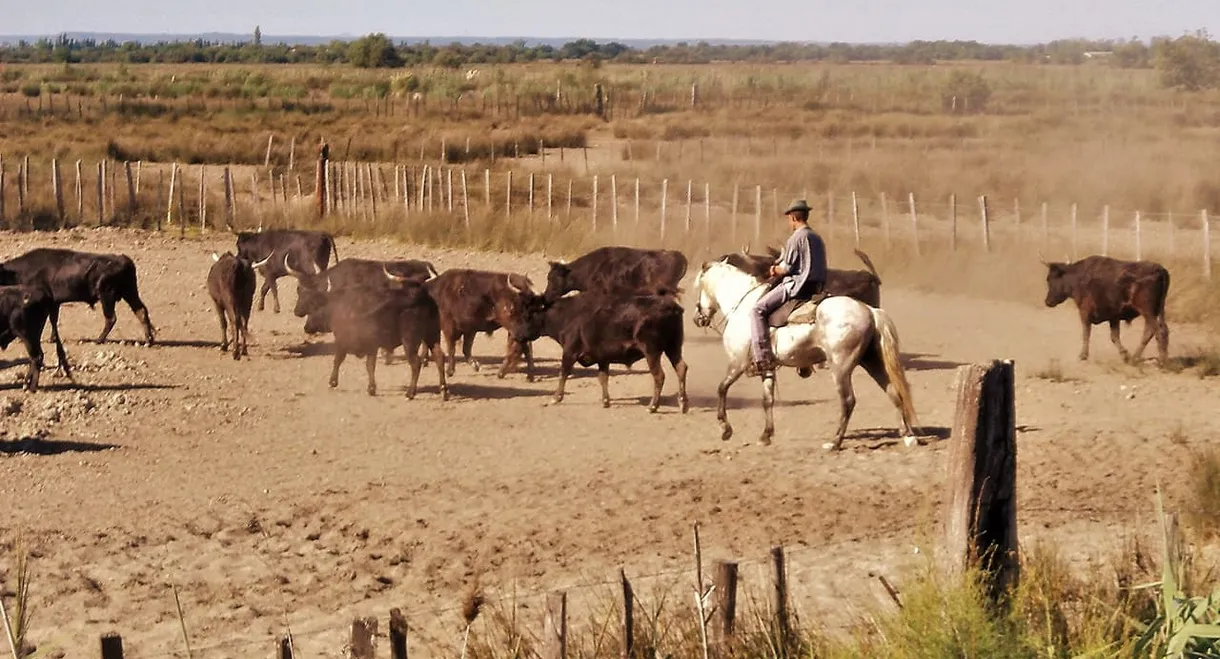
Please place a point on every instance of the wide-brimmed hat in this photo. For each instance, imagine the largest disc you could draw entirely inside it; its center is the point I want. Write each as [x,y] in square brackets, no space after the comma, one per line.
[798,205]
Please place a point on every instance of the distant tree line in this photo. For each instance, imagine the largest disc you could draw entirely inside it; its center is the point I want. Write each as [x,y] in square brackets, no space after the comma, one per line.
[1191,61]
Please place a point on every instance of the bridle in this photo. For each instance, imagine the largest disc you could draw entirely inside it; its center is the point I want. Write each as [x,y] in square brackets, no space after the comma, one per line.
[703,319]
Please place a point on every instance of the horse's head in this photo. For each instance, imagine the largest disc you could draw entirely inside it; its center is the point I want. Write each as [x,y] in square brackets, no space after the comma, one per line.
[705,298]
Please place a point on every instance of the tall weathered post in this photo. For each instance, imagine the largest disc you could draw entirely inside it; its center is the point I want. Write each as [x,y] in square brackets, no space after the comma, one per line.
[981,519]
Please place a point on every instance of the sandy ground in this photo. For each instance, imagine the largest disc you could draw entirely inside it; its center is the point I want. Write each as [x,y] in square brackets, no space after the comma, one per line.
[269,501]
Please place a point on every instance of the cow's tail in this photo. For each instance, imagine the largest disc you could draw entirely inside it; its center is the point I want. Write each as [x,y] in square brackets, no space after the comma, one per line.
[868,263]
[886,342]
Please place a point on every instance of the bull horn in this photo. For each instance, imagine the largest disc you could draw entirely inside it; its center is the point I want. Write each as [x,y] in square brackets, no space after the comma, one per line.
[292,272]
[215,257]
[317,269]
[745,249]
[510,284]
[262,264]
[1042,259]
[328,284]
[389,275]
[432,273]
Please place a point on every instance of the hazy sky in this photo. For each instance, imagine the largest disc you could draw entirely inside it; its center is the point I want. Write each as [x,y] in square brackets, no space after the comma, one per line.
[1008,21]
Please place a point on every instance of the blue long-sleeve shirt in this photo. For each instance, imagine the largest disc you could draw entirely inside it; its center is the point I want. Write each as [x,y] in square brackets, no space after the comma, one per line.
[804,256]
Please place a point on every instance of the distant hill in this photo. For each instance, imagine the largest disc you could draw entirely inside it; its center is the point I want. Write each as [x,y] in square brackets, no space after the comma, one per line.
[310,40]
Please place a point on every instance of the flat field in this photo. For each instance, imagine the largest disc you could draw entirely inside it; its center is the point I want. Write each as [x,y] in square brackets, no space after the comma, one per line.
[269,501]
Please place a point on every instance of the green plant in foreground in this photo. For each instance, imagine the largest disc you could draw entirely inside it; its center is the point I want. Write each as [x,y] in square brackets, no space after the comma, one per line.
[1184,627]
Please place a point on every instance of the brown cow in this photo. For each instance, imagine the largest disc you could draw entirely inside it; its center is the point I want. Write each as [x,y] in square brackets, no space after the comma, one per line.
[863,285]
[1108,290]
[231,287]
[473,301]
[366,319]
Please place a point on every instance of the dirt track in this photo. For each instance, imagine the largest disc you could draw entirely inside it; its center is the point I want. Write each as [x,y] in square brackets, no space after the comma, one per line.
[257,491]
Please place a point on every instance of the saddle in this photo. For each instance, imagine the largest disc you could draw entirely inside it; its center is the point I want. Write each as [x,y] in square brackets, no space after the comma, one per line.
[796,311]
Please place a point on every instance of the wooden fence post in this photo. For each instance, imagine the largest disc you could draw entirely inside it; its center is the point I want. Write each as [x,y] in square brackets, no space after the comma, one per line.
[80,195]
[531,196]
[569,208]
[689,185]
[487,188]
[855,216]
[783,628]
[228,185]
[112,646]
[364,638]
[1045,225]
[725,590]
[614,203]
[398,630]
[203,196]
[508,195]
[465,201]
[733,218]
[637,203]
[885,219]
[267,159]
[1207,245]
[1139,251]
[1075,232]
[57,188]
[320,191]
[981,519]
[131,189]
[986,223]
[1,190]
[914,222]
[550,179]
[953,222]
[628,628]
[555,627]
[1105,230]
[757,214]
[664,201]
[101,191]
[594,202]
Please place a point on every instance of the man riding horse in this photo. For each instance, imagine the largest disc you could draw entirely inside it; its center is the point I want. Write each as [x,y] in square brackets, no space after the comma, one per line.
[798,274]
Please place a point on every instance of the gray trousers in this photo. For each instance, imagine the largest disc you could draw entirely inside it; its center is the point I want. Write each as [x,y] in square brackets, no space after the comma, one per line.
[759,332]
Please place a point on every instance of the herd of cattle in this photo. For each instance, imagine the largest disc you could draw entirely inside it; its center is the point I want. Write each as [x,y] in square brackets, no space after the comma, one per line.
[613,305]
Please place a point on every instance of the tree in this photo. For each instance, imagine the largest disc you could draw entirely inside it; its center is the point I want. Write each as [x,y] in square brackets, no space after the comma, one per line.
[373,51]
[258,36]
[1191,62]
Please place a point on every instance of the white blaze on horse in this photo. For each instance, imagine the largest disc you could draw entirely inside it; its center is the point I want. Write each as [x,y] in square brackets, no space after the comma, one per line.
[841,333]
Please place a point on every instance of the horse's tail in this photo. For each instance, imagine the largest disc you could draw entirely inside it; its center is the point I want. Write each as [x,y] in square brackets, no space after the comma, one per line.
[886,342]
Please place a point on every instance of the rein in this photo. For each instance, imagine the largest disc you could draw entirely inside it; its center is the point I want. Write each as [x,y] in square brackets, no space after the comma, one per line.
[743,297]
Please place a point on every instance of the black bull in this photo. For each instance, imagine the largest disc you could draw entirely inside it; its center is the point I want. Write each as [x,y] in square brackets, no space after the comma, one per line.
[70,276]
[308,249]
[23,316]
[863,285]
[1111,291]
[619,271]
[599,329]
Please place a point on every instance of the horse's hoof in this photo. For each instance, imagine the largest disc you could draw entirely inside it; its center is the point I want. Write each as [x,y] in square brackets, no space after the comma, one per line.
[372,391]
[911,440]
[475,365]
[500,375]
[726,433]
[333,383]
[829,446]
[684,405]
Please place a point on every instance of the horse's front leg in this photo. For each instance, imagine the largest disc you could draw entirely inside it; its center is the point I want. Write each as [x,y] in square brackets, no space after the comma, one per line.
[722,394]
